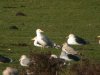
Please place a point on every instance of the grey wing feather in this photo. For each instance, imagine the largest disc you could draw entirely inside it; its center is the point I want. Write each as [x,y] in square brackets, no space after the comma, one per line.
[48,41]
[26,61]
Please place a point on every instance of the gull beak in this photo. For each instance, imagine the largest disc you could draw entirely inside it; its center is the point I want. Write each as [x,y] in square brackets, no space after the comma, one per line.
[41,31]
[19,59]
[66,36]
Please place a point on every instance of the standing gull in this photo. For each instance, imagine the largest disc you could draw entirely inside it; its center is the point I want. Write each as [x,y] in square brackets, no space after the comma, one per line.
[10,71]
[4,59]
[75,40]
[43,40]
[24,61]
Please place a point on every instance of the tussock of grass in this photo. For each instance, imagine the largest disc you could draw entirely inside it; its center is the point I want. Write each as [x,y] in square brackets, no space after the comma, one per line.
[42,65]
[20,14]
[85,67]
[13,27]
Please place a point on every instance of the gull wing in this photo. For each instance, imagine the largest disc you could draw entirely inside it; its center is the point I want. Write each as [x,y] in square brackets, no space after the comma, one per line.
[47,41]
[80,40]
[74,57]
[4,59]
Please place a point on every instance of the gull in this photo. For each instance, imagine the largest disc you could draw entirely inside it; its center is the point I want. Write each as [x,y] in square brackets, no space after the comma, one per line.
[10,71]
[36,43]
[43,41]
[98,38]
[68,49]
[24,61]
[65,57]
[4,59]
[68,57]
[75,40]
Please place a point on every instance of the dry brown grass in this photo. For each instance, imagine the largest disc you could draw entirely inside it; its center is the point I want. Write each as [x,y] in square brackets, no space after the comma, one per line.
[42,65]
[85,67]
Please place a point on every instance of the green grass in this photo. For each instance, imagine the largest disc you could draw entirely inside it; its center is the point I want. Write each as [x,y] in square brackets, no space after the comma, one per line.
[56,18]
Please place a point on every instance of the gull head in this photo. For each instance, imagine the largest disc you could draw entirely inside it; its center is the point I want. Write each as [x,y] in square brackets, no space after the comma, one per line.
[70,35]
[22,57]
[39,31]
[64,44]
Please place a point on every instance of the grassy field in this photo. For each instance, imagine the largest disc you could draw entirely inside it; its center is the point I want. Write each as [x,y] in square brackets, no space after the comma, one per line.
[57,18]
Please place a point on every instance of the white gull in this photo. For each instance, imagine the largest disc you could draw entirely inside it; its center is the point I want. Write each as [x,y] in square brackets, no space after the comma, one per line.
[43,41]
[75,40]
[24,61]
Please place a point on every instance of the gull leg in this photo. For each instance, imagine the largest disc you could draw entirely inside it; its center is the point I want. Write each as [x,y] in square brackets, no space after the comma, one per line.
[69,64]
[56,73]
[42,47]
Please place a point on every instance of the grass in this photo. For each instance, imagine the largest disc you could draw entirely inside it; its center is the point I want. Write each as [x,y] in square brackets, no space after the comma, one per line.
[56,18]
